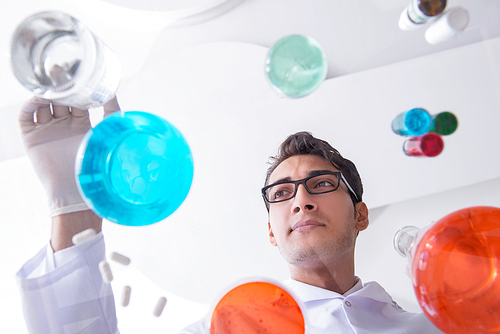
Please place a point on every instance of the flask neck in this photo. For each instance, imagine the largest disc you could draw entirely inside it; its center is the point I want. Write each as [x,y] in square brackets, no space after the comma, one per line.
[404,238]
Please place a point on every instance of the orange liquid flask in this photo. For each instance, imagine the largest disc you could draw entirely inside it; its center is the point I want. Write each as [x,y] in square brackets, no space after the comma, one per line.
[455,269]
[257,307]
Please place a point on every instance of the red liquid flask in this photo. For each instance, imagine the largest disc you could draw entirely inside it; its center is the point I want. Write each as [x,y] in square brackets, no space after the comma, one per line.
[455,270]
[257,307]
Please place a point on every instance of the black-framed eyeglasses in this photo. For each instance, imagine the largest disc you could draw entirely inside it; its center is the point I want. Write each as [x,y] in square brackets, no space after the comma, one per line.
[320,183]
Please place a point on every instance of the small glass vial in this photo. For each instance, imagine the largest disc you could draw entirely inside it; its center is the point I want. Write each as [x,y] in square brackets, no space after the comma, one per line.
[444,123]
[420,11]
[428,145]
[454,21]
[414,122]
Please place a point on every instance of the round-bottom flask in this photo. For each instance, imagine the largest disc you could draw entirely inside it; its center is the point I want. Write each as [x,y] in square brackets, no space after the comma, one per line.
[454,268]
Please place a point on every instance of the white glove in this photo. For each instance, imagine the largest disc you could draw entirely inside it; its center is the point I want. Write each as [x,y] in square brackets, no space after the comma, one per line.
[51,139]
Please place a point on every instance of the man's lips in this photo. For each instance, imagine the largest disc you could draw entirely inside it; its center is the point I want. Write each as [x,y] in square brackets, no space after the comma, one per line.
[306,225]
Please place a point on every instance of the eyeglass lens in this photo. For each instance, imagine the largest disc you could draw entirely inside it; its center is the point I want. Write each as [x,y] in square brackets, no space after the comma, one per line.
[315,185]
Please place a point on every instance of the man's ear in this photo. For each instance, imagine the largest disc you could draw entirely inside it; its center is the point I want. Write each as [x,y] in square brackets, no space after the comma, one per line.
[272,239]
[361,216]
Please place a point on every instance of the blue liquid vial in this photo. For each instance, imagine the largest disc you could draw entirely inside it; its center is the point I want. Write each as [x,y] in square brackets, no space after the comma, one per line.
[134,168]
[414,122]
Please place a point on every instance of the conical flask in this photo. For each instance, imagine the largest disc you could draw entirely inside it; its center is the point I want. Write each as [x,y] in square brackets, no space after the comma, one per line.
[454,266]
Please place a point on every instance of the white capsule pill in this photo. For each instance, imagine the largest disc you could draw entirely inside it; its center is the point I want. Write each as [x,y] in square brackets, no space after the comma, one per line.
[83,236]
[107,275]
[159,306]
[126,295]
[117,257]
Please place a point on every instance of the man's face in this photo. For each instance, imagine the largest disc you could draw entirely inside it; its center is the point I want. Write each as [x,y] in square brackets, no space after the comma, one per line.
[313,229]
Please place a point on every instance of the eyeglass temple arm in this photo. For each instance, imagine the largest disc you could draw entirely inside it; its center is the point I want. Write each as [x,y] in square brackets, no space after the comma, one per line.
[349,186]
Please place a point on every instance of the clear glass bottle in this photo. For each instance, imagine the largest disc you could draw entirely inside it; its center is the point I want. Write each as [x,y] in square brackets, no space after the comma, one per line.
[454,266]
[57,58]
[420,11]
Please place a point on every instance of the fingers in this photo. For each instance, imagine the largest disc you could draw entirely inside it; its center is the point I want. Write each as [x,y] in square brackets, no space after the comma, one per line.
[43,114]
[28,110]
[111,107]
[60,110]
[79,113]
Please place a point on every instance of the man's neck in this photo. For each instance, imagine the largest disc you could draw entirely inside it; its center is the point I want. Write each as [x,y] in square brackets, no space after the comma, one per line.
[334,278]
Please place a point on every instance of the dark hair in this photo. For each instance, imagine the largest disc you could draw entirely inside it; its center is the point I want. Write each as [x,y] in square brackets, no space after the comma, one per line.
[305,143]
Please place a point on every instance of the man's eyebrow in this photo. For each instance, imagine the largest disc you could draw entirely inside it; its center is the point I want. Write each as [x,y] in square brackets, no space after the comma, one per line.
[318,172]
[310,173]
[283,179]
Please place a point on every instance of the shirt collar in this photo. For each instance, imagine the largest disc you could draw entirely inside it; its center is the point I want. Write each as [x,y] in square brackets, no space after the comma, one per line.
[306,292]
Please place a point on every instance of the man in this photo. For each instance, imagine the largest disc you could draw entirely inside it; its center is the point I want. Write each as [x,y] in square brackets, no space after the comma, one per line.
[314,199]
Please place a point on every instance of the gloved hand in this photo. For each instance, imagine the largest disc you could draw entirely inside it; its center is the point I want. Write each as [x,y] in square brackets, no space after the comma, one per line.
[51,134]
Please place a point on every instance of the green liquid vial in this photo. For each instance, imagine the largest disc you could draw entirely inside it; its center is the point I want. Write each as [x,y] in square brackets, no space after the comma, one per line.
[444,123]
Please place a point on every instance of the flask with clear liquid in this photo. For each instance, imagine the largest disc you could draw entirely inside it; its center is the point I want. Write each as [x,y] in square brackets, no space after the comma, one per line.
[454,267]
[57,58]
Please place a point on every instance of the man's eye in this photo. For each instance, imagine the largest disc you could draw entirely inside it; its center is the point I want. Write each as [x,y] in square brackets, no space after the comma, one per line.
[280,193]
[323,184]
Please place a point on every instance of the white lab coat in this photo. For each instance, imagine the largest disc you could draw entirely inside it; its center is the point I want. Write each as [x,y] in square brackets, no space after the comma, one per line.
[365,308]
[63,293]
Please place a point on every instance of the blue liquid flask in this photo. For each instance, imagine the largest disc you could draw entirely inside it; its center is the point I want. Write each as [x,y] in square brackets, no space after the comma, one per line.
[414,122]
[134,168]
[296,66]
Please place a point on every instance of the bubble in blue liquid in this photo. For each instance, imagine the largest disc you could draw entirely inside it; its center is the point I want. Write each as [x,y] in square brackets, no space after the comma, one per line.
[134,168]
[296,66]
[414,122]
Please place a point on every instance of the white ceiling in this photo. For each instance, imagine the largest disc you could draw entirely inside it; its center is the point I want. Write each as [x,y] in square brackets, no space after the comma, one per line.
[211,242]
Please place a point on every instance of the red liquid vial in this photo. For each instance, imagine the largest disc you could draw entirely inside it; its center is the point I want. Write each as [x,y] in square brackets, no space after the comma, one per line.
[455,271]
[428,145]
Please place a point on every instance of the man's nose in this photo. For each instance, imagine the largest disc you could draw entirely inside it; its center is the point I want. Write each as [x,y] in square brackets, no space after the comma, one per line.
[303,201]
